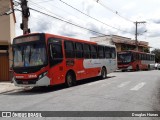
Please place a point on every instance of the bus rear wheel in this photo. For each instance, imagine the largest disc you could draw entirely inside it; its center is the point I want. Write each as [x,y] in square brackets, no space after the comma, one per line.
[137,68]
[70,79]
[103,73]
[149,67]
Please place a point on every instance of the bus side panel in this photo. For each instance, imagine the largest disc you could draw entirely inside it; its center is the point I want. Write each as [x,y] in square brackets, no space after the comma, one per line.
[135,63]
[145,64]
[78,68]
[57,74]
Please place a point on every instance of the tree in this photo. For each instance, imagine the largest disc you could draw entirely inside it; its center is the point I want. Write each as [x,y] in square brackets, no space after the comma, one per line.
[157,55]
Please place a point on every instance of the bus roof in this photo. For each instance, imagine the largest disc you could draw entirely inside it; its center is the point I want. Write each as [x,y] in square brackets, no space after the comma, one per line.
[134,52]
[66,38]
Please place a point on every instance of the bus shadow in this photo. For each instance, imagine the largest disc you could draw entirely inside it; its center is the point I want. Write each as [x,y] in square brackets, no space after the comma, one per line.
[43,90]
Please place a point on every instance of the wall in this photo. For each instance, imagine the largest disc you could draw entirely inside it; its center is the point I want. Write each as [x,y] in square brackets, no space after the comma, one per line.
[7,33]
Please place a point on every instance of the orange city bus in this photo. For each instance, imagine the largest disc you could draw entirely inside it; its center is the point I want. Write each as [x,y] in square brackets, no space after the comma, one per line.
[42,59]
[134,60]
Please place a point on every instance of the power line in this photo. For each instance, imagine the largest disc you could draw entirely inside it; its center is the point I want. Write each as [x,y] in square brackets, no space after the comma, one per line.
[67,21]
[92,17]
[43,8]
[64,21]
[44,1]
[57,8]
[114,11]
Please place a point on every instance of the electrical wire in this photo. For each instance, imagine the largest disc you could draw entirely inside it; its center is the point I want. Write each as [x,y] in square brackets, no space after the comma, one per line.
[115,12]
[65,21]
[56,7]
[93,17]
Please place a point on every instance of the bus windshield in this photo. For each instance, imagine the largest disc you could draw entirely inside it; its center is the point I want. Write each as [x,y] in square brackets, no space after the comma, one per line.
[29,55]
[124,57]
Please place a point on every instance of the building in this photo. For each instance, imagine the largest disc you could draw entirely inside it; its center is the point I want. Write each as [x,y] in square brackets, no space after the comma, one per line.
[121,43]
[7,33]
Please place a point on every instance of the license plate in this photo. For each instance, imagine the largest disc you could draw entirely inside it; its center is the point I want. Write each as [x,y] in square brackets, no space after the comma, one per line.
[25,82]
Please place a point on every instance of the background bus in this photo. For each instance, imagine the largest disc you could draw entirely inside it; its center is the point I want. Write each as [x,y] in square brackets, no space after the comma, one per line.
[46,59]
[134,60]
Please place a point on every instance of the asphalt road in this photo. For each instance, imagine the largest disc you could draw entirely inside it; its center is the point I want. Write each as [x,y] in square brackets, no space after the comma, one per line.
[121,91]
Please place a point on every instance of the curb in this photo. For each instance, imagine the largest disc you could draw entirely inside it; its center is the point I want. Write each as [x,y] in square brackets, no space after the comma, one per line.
[8,87]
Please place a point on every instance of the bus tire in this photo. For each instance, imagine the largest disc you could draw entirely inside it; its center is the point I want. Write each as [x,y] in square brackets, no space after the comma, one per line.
[103,73]
[137,67]
[149,67]
[70,79]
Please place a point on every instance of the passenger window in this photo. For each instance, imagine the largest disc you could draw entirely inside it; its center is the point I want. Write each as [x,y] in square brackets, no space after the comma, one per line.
[107,52]
[56,51]
[86,51]
[79,50]
[69,49]
[56,54]
[93,51]
[113,53]
[100,52]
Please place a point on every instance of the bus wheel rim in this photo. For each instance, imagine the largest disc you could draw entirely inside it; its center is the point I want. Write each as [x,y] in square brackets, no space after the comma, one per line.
[103,73]
[69,80]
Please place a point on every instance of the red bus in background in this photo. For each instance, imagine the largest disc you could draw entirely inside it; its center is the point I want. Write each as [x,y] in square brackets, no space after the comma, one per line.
[134,60]
[44,59]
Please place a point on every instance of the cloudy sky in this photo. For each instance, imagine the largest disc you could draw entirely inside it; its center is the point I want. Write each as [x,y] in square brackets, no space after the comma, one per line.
[107,17]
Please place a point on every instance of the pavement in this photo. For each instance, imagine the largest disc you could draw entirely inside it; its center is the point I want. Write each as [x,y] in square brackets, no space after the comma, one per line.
[8,86]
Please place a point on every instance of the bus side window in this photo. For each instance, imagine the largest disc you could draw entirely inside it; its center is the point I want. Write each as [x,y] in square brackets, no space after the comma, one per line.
[107,52]
[148,57]
[140,57]
[100,52]
[93,51]
[69,49]
[56,54]
[134,56]
[113,53]
[86,51]
[79,50]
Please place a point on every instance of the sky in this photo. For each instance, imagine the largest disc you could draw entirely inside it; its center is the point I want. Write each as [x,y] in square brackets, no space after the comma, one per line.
[109,17]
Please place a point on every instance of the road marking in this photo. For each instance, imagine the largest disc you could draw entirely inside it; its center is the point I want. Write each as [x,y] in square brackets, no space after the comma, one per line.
[139,86]
[124,84]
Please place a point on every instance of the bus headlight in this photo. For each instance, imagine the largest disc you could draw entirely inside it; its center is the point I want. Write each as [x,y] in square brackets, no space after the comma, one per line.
[129,67]
[42,75]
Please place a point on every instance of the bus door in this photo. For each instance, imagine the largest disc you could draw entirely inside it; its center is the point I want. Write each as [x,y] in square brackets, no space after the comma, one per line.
[108,59]
[56,61]
[113,61]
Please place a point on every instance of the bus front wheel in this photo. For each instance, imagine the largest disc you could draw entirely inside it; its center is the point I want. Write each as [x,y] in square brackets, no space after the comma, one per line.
[137,68]
[149,67]
[70,79]
[103,73]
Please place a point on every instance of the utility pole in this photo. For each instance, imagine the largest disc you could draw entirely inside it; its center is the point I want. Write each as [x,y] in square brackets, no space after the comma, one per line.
[136,34]
[25,17]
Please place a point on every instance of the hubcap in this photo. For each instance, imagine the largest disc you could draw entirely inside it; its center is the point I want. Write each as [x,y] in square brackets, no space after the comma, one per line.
[69,80]
[103,73]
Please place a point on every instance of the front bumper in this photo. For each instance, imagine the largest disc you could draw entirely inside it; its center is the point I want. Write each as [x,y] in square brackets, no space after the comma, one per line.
[45,81]
[125,68]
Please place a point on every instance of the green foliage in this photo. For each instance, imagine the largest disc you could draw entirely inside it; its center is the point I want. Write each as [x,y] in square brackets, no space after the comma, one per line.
[157,55]
[146,50]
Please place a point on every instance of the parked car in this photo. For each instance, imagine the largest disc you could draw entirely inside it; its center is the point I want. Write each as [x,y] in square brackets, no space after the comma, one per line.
[157,66]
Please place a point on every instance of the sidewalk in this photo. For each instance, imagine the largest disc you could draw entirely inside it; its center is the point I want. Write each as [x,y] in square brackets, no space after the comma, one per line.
[7,87]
